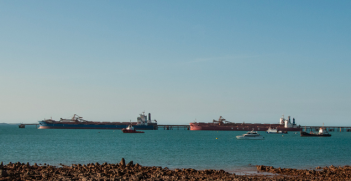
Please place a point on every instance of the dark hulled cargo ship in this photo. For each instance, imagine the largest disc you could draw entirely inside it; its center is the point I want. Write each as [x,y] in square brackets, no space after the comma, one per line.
[222,125]
[77,122]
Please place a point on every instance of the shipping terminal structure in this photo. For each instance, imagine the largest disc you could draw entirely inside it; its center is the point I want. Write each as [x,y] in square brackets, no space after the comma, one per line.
[77,122]
[222,125]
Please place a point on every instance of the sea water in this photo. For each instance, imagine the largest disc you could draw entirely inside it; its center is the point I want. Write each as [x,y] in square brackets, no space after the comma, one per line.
[172,148]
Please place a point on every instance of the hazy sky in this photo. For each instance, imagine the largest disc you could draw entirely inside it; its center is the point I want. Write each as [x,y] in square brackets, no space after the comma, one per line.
[248,61]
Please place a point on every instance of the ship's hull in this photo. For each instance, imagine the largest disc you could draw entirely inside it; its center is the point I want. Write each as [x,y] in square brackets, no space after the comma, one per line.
[72,125]
[131,131]
[278,132]
[238,127]
[249,138]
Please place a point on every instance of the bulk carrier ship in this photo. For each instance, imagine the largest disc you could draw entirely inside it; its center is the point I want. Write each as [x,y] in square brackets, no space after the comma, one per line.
[222,125]
[77,122]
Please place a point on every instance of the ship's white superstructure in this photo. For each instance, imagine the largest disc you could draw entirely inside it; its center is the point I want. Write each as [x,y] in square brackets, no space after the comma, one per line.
[275,131]
[287,123]
[142,119]
[323,131]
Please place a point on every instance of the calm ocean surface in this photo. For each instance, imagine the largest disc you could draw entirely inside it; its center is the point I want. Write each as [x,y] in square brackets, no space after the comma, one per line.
[172,148]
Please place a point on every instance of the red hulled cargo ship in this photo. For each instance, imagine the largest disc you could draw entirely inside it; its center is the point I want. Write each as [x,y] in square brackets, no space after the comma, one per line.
[222,125]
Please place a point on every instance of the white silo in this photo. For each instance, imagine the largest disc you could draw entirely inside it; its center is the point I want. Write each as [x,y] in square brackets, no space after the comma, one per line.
[286,123]
[282,120]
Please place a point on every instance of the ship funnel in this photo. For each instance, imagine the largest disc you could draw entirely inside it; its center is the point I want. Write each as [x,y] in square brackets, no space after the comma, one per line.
[149,116]
[293,120]
[289,118]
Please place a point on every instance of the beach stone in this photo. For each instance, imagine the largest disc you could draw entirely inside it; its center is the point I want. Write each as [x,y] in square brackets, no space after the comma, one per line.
[3,173]
[122,163]
[130,164]
[45,175]
[119,173]
[138,176]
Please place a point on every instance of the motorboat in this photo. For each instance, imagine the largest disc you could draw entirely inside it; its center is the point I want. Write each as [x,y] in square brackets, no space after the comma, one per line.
[131,129]
[322,133]
[275,131]
[251,135]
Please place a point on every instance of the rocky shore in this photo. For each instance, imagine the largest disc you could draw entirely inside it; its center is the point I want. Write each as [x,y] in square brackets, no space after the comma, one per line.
[131,171]
[325,173]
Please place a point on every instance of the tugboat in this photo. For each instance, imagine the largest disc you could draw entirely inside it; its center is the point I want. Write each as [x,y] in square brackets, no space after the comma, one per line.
[130,129]
[251,135]
[275,131]
[322,133]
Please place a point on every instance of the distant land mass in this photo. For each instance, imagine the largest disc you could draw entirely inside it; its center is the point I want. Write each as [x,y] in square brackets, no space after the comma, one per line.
[10,123]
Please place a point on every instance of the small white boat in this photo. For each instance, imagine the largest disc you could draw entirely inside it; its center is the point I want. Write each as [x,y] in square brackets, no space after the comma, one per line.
[251,135]
[275,131]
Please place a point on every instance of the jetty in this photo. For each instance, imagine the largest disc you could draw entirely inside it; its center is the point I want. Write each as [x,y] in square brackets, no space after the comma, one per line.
[173,127]
[24,125]
[328,128]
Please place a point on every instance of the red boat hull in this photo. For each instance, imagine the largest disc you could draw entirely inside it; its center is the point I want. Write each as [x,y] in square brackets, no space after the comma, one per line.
[131,131]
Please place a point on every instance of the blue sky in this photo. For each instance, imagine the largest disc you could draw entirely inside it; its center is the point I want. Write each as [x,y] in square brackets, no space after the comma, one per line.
[248,61]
